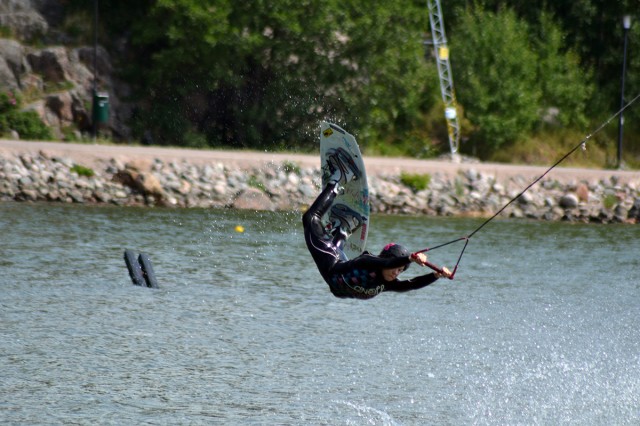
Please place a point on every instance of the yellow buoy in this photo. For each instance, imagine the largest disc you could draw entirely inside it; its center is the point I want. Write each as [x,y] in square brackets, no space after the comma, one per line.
[239,228]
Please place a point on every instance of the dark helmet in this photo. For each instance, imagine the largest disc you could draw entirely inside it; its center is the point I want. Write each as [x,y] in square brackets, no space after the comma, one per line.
[395,250]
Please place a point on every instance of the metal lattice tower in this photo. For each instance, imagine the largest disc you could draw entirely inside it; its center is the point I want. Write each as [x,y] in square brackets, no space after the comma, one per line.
[444,72]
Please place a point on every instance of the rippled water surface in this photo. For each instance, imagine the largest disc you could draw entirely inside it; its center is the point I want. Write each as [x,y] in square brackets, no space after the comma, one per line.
[540,326]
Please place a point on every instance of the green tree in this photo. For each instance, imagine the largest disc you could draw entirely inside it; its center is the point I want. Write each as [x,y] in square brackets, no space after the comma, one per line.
[387,93]
[243,73]
[263,73]
[564,84]
[592,30]
[496,76]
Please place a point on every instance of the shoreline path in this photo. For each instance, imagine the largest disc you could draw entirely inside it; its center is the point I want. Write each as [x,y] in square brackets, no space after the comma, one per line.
[92,155]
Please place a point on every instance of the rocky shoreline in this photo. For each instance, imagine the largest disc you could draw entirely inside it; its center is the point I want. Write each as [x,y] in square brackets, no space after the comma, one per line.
[289,186]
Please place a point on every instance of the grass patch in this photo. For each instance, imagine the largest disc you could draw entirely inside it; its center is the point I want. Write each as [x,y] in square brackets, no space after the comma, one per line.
[546,148]
[6,32]
[255,183]
[459,187]
[60,86]
[417,182]
[609,201]
[291,167]
[82,170]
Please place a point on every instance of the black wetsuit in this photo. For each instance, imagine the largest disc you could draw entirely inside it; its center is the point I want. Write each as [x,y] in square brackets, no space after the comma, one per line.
[359,278]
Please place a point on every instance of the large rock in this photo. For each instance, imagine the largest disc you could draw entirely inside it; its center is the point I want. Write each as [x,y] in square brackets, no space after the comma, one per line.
[143,183]
[569,201]
[22,19]
[52,63]
[29,69]
[252,199]
[634,211]
[12,64]
[582,192]
[8,79]
[61,104]
[85,55]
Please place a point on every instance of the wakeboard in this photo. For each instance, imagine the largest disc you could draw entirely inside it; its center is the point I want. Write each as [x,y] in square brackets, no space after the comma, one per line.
[355,198]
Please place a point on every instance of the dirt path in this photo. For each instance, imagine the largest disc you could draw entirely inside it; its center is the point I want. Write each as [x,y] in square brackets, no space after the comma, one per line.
[91,155]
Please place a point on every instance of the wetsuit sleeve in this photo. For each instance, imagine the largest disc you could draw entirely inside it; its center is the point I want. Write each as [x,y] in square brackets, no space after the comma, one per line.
[370,262]
[412,284]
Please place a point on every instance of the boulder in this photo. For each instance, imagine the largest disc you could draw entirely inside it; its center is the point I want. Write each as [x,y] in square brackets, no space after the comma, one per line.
[8,80]
[62,105]
[12,64]
[52,63]
[85,54]
[582,192]
[634,211]
[252,199]
[569,201]
[143,183]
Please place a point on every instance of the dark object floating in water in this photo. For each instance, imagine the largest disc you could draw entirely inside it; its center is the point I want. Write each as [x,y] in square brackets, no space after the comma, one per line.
[140,269]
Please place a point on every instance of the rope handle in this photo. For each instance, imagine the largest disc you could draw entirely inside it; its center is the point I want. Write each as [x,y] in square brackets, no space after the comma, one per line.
[436,268]
[439,269]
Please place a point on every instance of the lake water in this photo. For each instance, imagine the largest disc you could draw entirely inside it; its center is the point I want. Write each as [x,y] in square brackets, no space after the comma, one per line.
[540,325]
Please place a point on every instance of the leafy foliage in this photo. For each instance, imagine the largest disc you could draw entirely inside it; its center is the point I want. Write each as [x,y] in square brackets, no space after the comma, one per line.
[564,84]
[499,84]
[262,74]
[517,76]
[29,126]
[26,123]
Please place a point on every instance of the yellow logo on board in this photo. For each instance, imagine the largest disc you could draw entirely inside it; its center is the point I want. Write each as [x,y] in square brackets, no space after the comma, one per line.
[327,132]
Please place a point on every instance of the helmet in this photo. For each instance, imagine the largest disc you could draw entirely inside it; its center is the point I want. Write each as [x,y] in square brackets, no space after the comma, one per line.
[395,250]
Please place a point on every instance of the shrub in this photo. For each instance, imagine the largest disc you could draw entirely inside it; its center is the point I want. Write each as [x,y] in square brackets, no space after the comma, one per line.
[8,102]
[28,125]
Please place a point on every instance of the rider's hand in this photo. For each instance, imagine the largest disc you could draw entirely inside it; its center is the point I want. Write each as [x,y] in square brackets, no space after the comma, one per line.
[419,258]
[445,273]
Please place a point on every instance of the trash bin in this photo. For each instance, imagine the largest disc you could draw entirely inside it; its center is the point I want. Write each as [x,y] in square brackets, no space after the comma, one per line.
[100,107]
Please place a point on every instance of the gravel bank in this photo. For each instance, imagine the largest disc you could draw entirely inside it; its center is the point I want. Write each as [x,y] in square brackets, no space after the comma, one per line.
[125,175]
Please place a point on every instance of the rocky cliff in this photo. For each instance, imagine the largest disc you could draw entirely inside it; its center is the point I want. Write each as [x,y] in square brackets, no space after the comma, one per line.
[53,79]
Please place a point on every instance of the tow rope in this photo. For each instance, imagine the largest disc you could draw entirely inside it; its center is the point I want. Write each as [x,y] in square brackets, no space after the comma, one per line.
[583,144]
